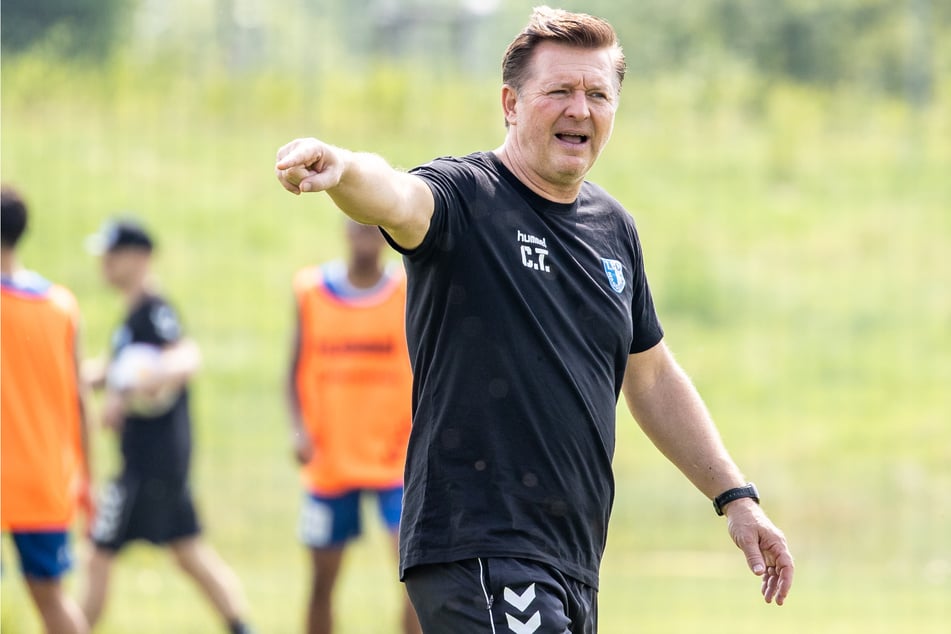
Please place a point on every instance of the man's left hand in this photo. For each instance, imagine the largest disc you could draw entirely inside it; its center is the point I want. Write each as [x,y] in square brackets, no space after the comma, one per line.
[765,548]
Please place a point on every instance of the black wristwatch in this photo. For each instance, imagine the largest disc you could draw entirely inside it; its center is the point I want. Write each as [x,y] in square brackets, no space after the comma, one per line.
[748,491]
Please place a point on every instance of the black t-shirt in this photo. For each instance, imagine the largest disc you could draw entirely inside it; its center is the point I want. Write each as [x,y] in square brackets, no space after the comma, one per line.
[155,446]
[521,315]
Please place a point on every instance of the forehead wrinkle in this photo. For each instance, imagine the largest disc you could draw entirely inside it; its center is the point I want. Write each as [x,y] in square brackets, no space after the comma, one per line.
[583,82]
[554,63]
[590,77]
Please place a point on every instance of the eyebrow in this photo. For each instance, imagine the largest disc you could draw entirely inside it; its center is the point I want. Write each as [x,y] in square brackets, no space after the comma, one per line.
[611,91]
[572,85]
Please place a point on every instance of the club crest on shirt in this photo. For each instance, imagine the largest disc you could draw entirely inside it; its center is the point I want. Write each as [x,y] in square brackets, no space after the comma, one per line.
[615,272]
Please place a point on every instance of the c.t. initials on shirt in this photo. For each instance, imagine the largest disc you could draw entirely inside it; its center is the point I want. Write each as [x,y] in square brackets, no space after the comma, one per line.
[534,252]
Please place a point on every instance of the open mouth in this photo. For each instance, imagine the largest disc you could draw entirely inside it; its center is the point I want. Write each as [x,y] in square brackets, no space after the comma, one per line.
[574,139]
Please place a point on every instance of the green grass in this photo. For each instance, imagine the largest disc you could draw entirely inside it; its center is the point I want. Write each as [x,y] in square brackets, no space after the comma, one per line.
[798,246]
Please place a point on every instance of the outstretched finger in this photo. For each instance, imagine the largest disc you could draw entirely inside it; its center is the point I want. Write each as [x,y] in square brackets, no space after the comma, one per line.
[301,156]
[287,148]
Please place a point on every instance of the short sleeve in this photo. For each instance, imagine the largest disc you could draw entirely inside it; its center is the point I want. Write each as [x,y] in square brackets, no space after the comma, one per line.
[164,323]
[452,182]
[647,329]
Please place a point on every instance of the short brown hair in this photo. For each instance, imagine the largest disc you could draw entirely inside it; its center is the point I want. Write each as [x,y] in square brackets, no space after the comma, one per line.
[563,27]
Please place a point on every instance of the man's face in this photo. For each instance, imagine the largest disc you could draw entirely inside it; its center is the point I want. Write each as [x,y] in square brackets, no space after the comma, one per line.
[123,267]
[563,115]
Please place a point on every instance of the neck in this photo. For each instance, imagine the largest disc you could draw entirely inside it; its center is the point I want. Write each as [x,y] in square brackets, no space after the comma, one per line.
[8,262]
[134,292]
[545,189]
[364,273]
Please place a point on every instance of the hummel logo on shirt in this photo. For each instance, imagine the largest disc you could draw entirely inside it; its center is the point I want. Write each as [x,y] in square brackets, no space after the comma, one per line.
[534,252]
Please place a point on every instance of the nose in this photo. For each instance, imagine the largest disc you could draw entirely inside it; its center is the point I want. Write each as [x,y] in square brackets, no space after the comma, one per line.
[578,105]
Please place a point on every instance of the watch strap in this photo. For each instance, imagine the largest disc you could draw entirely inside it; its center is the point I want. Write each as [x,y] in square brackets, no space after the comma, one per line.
[747,491]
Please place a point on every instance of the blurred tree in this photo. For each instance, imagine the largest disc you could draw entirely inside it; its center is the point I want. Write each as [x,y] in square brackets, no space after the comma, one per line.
[84,28]
[882,44]
[898,47]
[240,32]
[919,70]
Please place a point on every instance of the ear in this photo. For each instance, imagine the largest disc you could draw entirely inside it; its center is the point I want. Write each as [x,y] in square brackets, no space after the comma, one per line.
[509,103]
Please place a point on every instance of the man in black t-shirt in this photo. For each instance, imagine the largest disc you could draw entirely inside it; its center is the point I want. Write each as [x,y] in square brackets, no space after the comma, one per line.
[528,314]
[147,403]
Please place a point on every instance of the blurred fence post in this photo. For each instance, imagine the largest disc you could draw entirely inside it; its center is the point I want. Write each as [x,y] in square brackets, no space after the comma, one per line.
[240,32]
[919,74]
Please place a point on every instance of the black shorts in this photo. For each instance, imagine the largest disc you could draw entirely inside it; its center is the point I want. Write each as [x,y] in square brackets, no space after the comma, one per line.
[500,596]
[136,507]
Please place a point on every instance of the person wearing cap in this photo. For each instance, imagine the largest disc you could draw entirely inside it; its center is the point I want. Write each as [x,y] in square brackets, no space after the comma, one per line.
[44,471]
[151,498]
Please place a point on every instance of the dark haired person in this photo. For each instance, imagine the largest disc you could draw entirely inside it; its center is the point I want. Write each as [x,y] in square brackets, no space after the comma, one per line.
[529,313]
[349,389]
[43,456]
[148,406]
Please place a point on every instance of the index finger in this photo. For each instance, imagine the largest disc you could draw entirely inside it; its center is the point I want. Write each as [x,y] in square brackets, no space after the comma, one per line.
[296,154]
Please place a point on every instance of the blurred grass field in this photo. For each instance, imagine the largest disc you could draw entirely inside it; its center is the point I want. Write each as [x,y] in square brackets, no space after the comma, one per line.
[799,248]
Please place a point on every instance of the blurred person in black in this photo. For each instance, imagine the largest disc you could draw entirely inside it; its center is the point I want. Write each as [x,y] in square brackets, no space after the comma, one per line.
[147,402]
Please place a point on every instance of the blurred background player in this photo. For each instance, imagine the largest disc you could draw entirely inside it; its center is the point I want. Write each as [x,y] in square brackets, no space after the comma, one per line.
[147,402]
[349,389]
[43,439]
